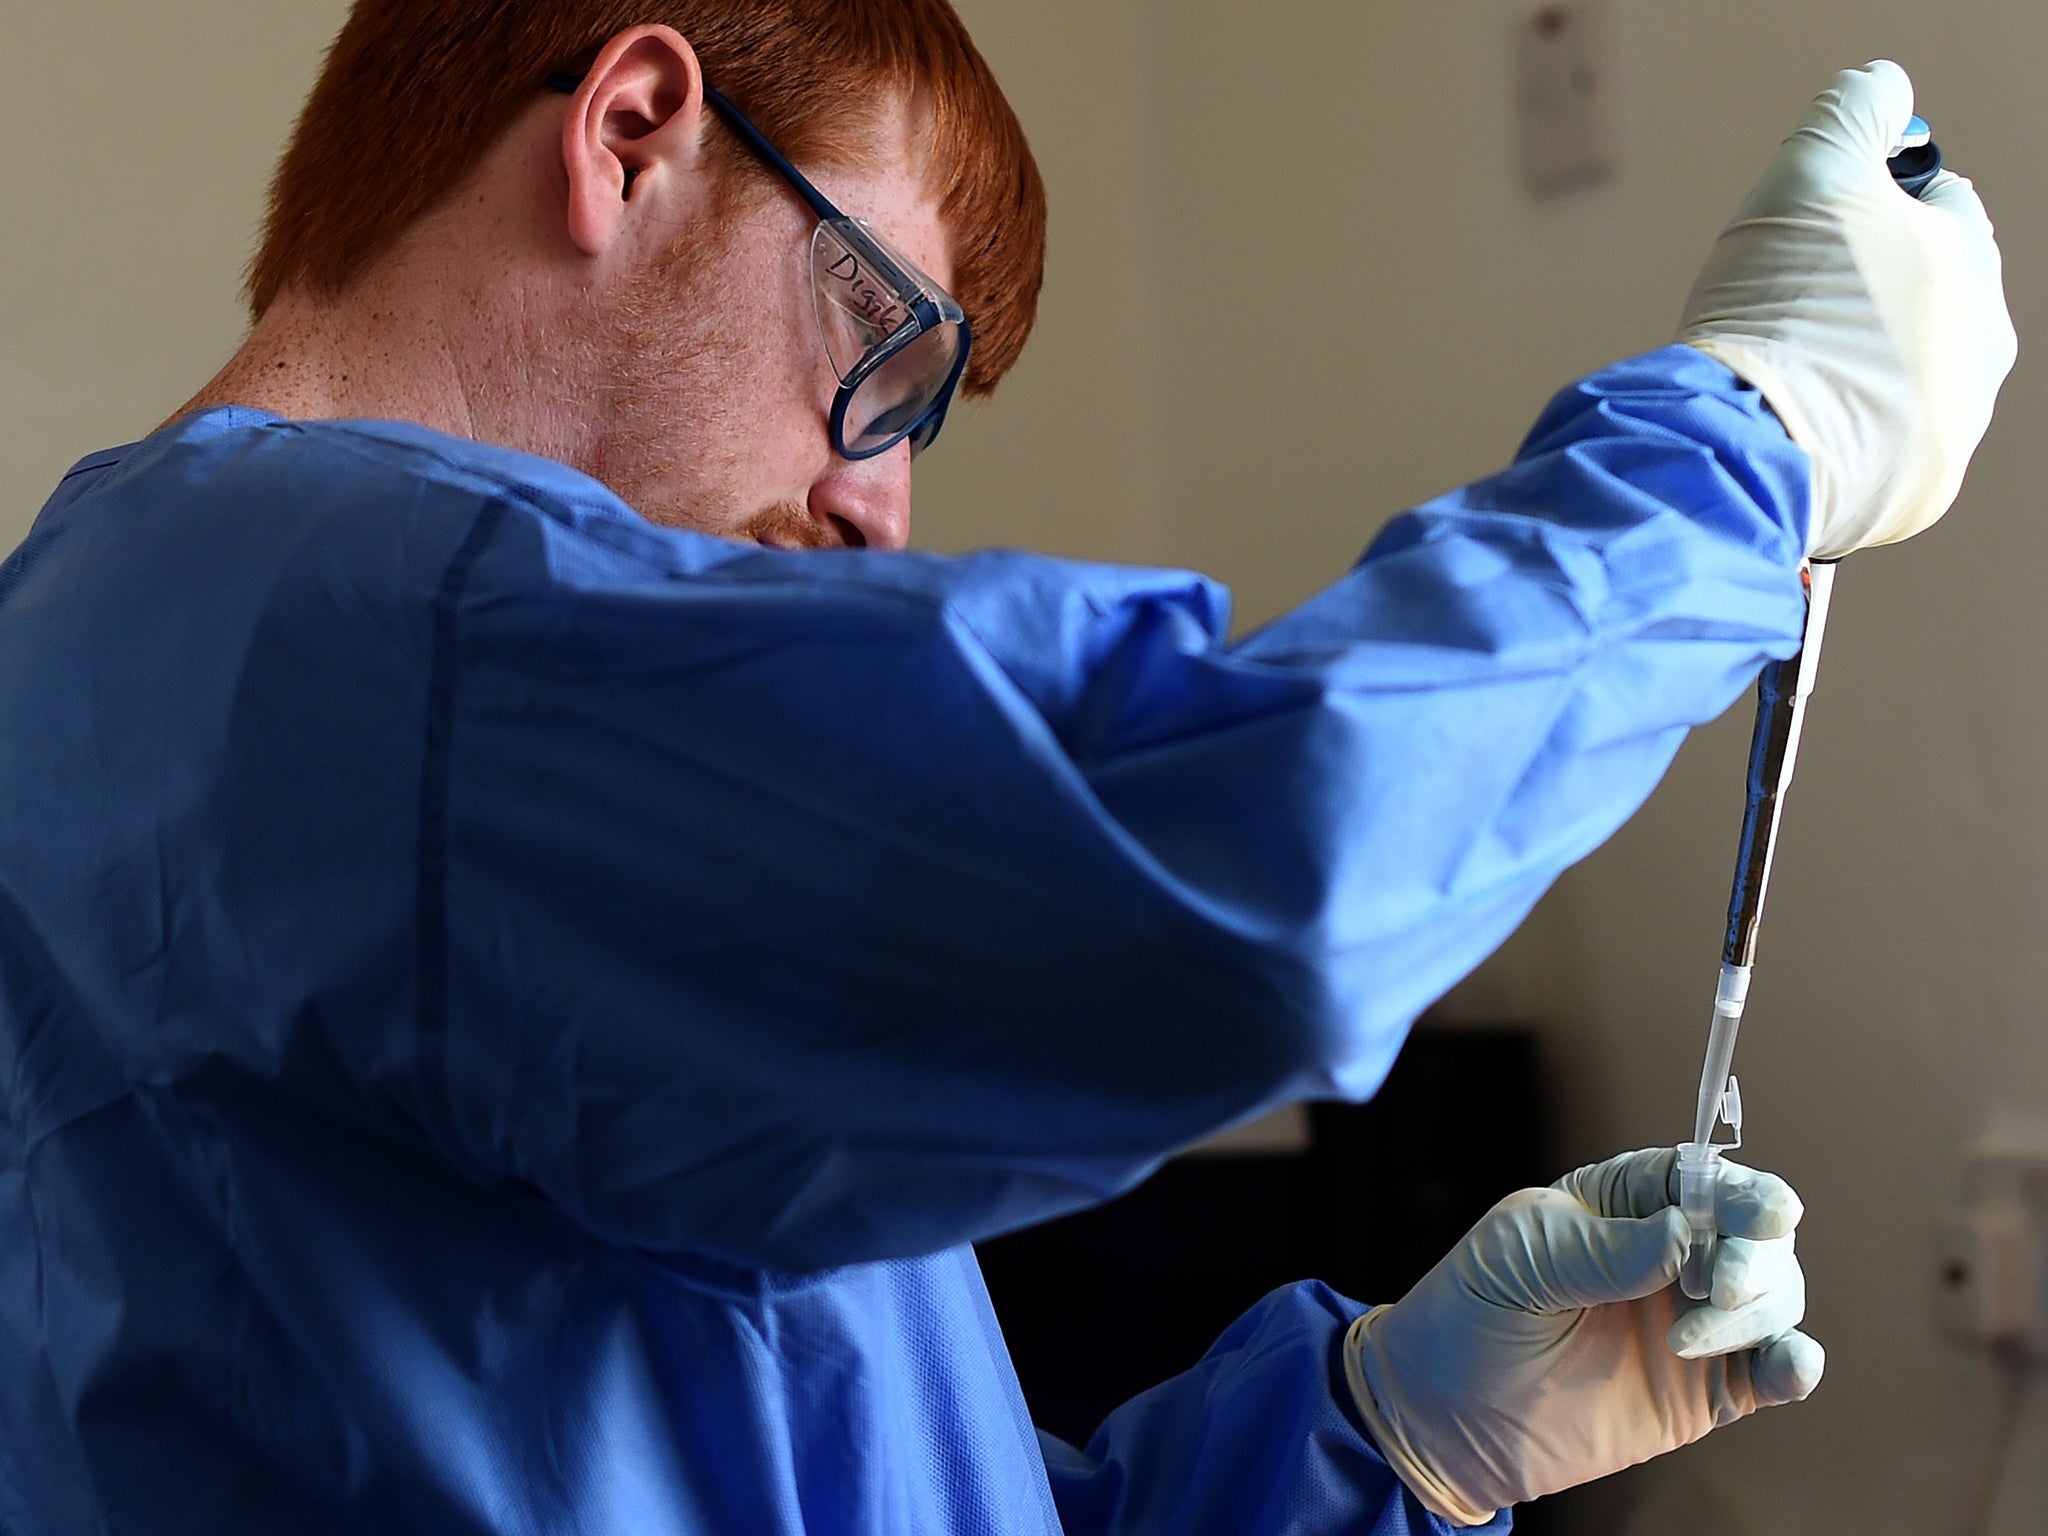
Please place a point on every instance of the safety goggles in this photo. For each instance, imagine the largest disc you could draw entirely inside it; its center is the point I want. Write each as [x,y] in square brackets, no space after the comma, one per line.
[897,342]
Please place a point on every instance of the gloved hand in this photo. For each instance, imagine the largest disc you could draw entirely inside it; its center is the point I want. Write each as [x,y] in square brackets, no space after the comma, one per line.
[1553,1346]
[1874,324]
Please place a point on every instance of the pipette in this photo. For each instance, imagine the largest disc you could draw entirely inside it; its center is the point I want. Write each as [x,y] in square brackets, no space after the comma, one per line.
[1782,692]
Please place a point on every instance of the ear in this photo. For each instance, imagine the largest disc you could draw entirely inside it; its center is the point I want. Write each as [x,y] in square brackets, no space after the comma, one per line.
[639,109]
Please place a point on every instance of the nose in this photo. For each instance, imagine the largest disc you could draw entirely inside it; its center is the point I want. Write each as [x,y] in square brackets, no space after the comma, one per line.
[866,502]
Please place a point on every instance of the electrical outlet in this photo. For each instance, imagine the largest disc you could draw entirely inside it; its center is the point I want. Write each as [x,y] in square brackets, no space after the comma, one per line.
[1985,1267]
[1991,1255]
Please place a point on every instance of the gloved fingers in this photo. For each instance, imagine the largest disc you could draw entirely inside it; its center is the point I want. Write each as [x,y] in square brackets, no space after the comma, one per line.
[1748,1202]
[1745,1269]
[1543,1252]
[1753,1204]
[1712,1330]
[1956,196]
[1634,1184]
[1862,115]
[1787,1369]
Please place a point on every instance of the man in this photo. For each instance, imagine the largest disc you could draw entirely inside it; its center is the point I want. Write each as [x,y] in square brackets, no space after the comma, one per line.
[532,935]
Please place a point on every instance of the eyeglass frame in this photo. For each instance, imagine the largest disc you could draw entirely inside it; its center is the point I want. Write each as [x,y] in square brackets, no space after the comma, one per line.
[911,293]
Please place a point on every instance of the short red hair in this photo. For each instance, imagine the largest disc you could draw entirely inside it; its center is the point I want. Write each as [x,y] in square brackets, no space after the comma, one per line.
[415,91]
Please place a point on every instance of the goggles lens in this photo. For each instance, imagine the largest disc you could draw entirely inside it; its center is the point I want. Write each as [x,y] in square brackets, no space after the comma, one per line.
[894,338]
[896,396]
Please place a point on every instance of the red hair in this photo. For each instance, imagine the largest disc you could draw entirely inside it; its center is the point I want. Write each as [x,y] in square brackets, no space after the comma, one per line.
[415,92]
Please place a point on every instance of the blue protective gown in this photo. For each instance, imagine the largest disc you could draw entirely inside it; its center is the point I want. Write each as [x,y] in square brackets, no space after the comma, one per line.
[510,1016]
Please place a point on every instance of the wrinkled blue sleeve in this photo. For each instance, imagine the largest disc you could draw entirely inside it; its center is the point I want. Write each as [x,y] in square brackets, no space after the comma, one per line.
[1258,1437]
[804,909]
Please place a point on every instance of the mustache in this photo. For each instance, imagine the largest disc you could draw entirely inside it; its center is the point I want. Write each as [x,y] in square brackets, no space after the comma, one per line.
[790,525]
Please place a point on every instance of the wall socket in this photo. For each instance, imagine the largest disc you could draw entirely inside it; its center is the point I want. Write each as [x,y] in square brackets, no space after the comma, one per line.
[1991,1256]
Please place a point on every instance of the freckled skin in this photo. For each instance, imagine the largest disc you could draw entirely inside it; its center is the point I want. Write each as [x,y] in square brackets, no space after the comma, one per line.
[681,365]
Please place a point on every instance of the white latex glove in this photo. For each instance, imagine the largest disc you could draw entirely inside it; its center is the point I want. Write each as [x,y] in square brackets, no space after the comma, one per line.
[1874,324]
[1553,1345]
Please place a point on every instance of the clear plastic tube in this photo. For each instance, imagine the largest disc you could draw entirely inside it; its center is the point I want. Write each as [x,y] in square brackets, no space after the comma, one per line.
[1699,1174]
[1730,997]
[1699,1160]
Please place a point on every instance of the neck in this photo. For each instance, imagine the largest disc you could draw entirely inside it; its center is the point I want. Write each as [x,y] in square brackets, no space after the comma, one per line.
[311,360]
[399,348]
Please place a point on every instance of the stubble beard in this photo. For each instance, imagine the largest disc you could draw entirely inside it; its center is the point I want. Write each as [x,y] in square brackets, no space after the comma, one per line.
[669,344]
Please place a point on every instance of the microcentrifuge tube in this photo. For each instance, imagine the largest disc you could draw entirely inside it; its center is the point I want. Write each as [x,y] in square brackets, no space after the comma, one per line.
[1699,1172]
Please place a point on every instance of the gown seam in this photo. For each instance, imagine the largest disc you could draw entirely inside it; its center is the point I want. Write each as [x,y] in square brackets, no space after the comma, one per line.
[431,860]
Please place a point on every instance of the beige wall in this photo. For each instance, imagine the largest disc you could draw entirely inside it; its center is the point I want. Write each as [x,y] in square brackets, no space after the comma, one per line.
[1068,456]
[135,146]
[1269,323]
